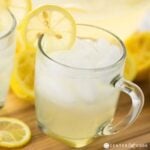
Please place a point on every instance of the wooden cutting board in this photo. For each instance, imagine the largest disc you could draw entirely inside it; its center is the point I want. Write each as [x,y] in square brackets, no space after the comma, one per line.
[138,133]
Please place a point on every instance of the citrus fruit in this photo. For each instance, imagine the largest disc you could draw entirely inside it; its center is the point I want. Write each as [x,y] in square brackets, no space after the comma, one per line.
[13,133]
[22,80]
[130,70]
[138,44]
[54,21]
[18,7]
[60,30]
[22,76]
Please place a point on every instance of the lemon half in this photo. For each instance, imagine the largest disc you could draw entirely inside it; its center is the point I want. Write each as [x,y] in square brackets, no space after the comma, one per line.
[138,44]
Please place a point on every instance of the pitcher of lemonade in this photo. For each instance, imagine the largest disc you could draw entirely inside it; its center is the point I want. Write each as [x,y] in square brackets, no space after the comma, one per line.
[122,17]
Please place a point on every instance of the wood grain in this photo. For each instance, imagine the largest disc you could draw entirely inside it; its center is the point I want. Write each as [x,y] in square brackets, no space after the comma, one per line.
[138,133]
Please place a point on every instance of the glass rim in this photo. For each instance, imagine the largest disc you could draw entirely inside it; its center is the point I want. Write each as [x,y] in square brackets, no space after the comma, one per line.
[82,68]
[13,26]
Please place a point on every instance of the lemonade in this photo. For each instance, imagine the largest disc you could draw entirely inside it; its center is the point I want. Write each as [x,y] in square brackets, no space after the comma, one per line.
[6,57]
[7,49]
[75,105]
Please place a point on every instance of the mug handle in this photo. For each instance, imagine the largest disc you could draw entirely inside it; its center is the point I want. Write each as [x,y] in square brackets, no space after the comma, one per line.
[137,99]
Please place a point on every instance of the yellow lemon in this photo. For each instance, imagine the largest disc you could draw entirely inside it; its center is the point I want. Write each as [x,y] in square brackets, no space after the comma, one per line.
[22,80]
[130,71]
[138,45]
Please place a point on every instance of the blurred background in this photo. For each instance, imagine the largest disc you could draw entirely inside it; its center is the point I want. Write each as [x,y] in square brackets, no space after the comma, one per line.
[119,16]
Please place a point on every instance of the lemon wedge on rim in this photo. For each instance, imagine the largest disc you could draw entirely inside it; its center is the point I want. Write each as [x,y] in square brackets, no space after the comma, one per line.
[54,21]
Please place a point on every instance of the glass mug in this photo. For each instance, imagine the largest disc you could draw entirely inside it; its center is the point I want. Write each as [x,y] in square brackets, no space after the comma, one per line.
[77,104]
[7,51]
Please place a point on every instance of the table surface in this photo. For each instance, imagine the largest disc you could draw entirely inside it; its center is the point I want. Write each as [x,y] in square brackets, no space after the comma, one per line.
[138,133]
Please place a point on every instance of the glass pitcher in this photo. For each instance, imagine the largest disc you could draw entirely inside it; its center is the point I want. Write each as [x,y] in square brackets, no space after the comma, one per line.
[122,17]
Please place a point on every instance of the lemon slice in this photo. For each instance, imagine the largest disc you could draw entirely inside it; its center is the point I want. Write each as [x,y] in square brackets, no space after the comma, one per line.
[138,44]
[60,29]
[18,7]
[13,133]
[54,21]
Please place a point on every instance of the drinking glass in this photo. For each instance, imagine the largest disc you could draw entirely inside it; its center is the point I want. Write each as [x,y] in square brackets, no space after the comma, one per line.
[7,49]
[77,104]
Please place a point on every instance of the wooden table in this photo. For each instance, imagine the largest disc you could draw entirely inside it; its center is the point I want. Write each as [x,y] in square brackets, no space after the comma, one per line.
[138,133]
